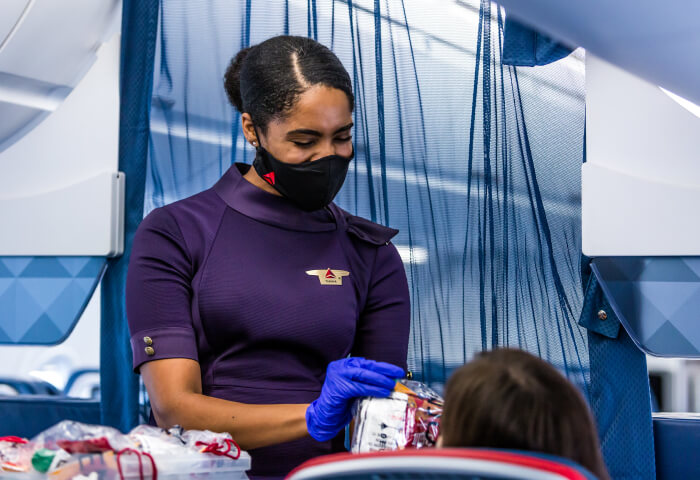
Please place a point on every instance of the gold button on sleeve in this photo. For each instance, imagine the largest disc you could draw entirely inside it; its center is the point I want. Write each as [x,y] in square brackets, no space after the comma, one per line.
[150,351]
[148,341]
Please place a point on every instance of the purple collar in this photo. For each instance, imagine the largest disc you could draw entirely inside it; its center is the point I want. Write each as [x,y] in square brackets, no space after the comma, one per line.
[253,202]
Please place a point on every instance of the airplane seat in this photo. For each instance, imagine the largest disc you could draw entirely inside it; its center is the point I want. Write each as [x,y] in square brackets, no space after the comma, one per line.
[655,300]
[640,190]
[441,464]
[676,443]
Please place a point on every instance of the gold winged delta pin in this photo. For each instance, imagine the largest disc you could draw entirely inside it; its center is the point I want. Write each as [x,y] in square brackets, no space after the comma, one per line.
[328,276]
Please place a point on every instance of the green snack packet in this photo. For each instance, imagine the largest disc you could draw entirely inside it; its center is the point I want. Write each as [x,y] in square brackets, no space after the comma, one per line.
[42,458]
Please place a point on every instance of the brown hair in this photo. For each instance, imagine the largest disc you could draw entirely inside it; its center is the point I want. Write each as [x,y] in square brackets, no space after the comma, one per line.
[508,398]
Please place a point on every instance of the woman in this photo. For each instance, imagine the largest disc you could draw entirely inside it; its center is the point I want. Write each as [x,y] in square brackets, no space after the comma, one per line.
[245,300]
[510,399]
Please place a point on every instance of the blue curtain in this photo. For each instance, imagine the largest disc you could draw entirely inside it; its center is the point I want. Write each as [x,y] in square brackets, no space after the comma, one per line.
[120,386]
[477,163]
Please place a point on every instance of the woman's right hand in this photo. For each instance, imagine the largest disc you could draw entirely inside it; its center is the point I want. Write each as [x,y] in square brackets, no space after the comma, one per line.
[346,380]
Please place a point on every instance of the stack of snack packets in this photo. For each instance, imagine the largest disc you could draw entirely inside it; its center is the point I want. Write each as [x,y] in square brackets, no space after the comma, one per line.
[408,418]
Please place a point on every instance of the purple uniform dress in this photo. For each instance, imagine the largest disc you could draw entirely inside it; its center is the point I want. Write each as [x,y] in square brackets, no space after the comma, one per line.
[254,289]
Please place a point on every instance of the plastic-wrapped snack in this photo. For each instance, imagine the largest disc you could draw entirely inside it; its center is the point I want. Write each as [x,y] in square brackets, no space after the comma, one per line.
[76,437]
[71,450]
[158,441]
[409,418]
[204,441]
[15,454]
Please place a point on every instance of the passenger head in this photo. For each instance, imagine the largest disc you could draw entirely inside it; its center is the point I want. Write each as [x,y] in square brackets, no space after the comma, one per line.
[295,94]
[510,399]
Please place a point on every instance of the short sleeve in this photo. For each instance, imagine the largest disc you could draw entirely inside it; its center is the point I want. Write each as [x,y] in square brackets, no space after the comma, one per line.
[384,323]
[159,292]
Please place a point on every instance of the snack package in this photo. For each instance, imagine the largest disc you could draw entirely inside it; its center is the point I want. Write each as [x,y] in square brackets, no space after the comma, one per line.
[70,450]
[76,437]
[15,454]
[409,418]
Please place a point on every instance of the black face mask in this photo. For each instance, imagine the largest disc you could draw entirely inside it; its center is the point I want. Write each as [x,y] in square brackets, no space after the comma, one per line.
[310,185]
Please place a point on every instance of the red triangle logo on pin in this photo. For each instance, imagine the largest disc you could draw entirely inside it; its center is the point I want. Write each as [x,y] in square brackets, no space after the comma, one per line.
[270,178]
[329,274]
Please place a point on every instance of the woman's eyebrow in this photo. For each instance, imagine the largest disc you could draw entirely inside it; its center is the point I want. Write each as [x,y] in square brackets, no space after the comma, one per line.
[342,129]
[306,131]
[303,131]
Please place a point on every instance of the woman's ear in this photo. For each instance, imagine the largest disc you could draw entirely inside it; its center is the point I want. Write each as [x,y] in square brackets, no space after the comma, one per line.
[249,129]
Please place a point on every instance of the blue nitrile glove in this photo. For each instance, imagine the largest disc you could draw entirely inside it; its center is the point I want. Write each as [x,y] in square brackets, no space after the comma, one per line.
[346,380]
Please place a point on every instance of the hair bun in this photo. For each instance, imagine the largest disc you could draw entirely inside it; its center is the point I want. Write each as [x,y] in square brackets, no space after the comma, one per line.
[232,79]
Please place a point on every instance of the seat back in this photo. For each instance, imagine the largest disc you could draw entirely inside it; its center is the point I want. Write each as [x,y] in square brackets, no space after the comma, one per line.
[27,415]
[676,441]
[435,464]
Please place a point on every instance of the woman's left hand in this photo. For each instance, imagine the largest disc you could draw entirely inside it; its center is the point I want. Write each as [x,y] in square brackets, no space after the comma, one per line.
[346,380]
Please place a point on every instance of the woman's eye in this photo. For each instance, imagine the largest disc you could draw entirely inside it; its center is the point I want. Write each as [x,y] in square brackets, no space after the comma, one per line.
[309,143]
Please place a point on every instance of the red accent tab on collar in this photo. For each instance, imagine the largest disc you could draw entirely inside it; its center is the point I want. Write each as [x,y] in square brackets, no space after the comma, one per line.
[270,178]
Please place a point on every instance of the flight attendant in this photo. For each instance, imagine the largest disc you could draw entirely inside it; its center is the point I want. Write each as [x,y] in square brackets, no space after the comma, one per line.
[258,307]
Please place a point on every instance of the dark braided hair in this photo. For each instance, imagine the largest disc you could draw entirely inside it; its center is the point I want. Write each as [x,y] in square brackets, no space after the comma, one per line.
[266,80]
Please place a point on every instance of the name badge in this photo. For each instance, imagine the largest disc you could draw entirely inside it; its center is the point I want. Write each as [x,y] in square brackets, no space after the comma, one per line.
[329,276]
